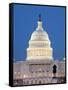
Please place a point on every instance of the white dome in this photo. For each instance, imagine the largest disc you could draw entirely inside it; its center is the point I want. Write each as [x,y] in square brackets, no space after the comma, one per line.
[39,35]
[39,38]
[39,45]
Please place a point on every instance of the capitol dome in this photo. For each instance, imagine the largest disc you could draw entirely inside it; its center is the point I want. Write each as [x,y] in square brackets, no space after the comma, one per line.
[39,34]
[39,44]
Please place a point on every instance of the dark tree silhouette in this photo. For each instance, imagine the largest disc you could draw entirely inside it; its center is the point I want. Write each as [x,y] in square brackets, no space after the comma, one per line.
[54,70]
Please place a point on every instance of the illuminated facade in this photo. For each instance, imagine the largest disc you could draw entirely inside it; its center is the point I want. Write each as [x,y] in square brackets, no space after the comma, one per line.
[39,44]
[40,66]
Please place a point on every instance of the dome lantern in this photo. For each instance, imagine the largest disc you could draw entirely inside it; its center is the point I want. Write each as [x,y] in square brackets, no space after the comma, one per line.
[39,27]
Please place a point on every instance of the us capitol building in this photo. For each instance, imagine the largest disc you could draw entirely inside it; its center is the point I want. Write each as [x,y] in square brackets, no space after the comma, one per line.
[39,66]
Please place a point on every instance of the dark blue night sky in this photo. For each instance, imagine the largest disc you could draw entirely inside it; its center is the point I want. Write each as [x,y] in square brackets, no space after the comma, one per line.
[25,22]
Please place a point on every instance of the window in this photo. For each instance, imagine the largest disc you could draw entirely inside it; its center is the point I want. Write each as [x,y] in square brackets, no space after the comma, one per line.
[40,82]
[32,82]
[27,82]
[35,81]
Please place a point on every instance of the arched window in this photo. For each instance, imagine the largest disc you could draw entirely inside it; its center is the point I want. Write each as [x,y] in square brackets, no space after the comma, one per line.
[23,82]
[35,81]
[40,82]
[31,81]
[27,82]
